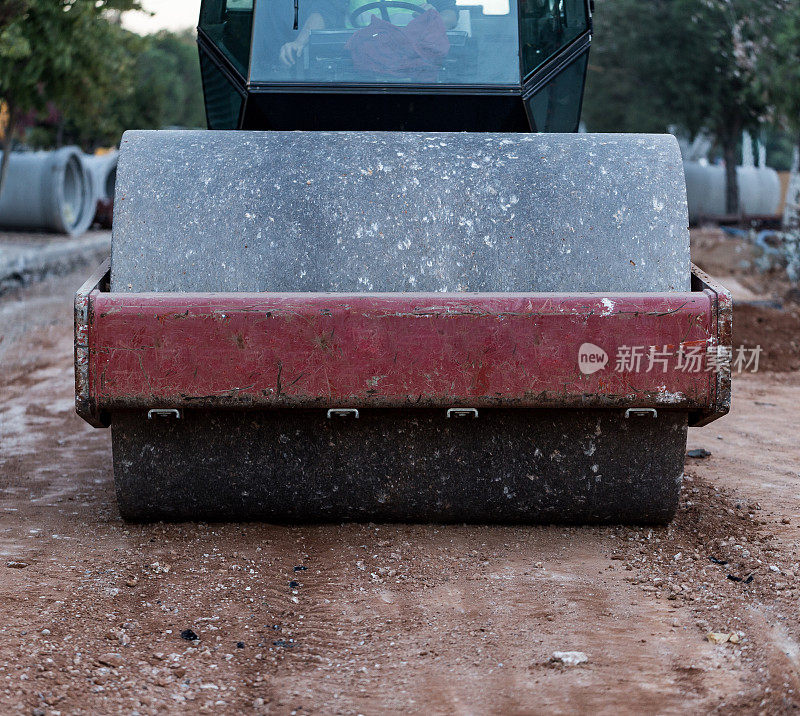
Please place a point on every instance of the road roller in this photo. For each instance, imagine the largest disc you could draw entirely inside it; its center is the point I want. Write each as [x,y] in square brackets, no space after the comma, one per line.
[393,281]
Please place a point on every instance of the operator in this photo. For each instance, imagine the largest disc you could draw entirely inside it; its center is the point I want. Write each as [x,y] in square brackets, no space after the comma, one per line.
[322,14]
[358,13]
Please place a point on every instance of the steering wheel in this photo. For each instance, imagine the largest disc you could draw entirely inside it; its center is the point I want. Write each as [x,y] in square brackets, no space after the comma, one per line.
[384,6]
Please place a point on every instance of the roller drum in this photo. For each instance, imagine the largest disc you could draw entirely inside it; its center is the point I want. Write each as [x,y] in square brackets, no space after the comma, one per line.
[355,212]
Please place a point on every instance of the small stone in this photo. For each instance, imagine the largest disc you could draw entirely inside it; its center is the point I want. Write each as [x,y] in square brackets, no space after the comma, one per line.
[46,632]
[16,565]
[569,658]
[734,638]
[300,568]
[258,703]
[118,635]
[111,659]
[189,635]
[132,581]
[240,645]
[785,520]
[699,453]
[716,637]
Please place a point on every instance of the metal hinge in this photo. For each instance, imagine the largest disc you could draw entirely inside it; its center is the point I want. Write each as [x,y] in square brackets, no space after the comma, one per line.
[164,413]
[343,413]
[641,413]
[462,412]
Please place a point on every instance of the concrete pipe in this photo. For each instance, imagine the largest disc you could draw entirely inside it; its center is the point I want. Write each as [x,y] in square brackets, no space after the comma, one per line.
[103,170]
[47,191]
[759,190]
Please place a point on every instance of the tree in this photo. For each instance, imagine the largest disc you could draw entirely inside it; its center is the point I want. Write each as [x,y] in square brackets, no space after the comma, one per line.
[14,46]
[167,90]
[784,82]
[61,52]
[161,88]
[620,98]
[698,64]
[729,38]
[11,10]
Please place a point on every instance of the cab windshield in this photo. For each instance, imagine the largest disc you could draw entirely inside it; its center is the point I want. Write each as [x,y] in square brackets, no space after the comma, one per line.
[386,41]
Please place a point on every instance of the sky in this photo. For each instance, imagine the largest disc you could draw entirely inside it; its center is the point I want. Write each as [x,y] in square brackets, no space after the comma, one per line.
[168,14]
[179,14]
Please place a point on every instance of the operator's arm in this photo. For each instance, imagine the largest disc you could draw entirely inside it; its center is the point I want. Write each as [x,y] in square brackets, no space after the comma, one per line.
[291,50]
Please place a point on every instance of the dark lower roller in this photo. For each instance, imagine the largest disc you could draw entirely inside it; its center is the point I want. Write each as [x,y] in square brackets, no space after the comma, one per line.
[507,466]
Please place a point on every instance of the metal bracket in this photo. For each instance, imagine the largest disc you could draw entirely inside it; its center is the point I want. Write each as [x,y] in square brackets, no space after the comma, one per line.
[343,413]
[462,413]
[164,413]
[641,412]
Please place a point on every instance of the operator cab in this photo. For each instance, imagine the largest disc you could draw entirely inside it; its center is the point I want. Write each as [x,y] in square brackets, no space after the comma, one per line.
[410,65]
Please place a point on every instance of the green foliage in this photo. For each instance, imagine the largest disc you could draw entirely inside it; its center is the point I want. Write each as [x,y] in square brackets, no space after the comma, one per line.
[779,147]
[720,66]
[692,63]
[167,90]
[620,98]
[695,64]
[784,76]
[11,10]
[60,52]
[69,68]
[161,88]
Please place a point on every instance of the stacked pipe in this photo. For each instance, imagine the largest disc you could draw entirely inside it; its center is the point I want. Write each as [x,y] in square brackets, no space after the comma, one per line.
[63,191]
[103,169]
[47,191]
[759,190]
[759,186]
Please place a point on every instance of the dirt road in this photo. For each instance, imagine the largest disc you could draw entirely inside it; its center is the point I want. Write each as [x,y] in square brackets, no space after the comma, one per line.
[383,618]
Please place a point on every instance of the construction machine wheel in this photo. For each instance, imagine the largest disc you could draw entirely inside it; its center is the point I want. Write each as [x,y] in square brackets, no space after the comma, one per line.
[392,212]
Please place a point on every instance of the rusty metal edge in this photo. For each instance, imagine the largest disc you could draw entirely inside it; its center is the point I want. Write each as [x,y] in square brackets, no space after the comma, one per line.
[87,406]
[723,335]
[85,402]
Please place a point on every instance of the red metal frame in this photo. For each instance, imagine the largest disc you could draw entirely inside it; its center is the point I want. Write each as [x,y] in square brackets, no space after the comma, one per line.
[366,350]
